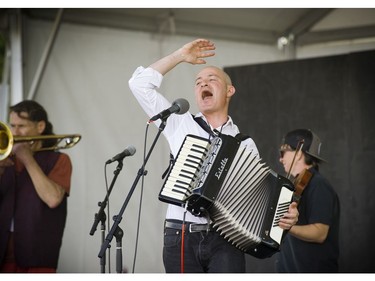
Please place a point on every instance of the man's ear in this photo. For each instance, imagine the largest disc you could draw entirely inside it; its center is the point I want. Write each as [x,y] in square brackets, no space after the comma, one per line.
[230,91]
[41,126]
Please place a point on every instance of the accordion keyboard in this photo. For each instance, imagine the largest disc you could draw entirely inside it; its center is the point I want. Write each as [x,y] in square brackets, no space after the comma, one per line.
[185,169]
[276,233]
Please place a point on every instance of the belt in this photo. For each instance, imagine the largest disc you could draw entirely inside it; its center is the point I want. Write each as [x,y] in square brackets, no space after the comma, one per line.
[189,226]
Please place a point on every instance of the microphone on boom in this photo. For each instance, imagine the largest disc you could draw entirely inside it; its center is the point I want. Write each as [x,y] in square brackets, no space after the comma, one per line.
[129,151]
[179,106]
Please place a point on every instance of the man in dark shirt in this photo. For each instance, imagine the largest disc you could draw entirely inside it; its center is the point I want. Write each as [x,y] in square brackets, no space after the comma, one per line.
[312,244]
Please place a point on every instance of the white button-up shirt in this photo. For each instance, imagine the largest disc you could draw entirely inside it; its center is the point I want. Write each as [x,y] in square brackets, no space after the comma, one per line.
[144,84]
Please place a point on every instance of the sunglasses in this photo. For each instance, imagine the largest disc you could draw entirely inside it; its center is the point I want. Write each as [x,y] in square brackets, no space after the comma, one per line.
[282,151]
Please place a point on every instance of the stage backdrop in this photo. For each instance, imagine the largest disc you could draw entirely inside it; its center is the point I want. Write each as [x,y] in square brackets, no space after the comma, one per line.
[333,96]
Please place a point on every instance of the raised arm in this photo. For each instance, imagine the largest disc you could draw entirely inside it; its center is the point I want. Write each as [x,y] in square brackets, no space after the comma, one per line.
[193,53]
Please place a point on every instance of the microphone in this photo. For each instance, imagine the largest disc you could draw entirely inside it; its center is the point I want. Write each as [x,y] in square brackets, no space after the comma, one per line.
[129,151]
[179,106]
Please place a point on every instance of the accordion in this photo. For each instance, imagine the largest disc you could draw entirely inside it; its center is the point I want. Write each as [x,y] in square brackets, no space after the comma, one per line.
[244,198]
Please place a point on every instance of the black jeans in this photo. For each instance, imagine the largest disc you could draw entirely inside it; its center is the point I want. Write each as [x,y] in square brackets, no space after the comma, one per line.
[204,251]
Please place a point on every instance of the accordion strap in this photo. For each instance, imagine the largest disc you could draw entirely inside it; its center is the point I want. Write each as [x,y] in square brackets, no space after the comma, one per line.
[171,162]
[207,128]
[204,126]
[242,137]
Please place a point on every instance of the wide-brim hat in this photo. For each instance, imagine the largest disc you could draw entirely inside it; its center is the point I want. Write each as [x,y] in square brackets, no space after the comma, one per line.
[311,142]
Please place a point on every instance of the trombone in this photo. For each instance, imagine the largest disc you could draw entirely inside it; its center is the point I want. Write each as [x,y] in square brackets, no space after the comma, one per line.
[7,140]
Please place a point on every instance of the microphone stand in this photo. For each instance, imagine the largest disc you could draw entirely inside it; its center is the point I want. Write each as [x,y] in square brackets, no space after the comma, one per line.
[117,219]
[118,234]
[101,216]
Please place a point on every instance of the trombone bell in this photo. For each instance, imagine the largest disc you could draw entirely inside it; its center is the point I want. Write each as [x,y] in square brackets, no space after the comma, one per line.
[7,141]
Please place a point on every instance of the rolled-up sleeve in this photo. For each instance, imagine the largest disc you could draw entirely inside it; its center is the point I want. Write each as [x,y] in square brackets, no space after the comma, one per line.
[144,84]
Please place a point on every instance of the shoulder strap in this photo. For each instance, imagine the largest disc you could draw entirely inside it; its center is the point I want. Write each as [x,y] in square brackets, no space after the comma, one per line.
[207,128]
[171,162]
[242,137]
[204,125]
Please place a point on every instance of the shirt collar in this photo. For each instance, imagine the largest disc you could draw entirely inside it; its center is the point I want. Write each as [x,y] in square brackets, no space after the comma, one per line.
[229,123]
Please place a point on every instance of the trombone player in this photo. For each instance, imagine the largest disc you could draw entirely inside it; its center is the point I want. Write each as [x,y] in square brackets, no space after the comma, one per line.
[34,186]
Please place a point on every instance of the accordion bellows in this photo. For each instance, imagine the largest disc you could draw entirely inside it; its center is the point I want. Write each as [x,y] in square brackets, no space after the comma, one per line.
[243,197]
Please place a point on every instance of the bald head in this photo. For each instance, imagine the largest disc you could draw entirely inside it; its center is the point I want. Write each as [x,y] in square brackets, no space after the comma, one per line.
[219,72]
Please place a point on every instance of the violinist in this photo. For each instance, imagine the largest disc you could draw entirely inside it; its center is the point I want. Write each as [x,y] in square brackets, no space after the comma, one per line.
[312,244]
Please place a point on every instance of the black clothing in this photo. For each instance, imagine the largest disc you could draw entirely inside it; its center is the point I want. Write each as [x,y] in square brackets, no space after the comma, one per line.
[319,204]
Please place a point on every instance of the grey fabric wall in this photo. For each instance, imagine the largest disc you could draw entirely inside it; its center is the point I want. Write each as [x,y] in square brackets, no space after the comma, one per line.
[333,96]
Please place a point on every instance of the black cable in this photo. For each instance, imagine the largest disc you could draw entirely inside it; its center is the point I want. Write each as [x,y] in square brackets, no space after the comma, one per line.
[140,199]
[108,223]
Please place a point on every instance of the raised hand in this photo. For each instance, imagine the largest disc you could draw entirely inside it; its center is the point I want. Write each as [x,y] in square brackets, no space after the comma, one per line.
[195,51]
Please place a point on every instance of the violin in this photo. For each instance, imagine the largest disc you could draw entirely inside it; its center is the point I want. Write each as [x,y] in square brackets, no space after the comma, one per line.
[302,179]
[300,182]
